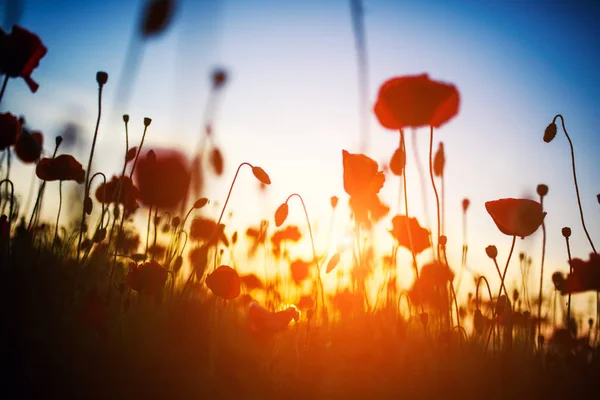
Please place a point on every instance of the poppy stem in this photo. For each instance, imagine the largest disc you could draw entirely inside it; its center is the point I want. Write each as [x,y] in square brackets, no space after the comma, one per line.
[542,271]
[155,231]
[437,199]
[87,175]
[58,213]
[502,287]
[148,232]
[575,180]
[137,155]
[10,216]
[4,83]
[316,260]
[570,272]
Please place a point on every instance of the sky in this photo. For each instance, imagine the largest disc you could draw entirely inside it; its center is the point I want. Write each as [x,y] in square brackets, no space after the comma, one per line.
[291,104]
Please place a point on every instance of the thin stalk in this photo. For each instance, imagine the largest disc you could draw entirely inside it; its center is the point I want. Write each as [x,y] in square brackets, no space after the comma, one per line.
[541,271]
[502,286]
[59,209]
[570,271]
[148,231]
[437,199]
[6,76]
[575,180]
[139,151]
[10,216]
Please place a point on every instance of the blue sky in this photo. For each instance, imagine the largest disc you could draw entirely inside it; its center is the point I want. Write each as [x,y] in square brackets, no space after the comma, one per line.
[291,104]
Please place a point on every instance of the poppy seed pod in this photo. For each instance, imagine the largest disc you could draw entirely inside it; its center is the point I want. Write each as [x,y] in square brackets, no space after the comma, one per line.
[550,132]
[125,118]
[261,175]
[465,205]
[521,256]
[542,190]
[281,214]
[566,232]
[101,78]
[147,122]
[200,203]
[334,201]
[492,252]
[58,140]
[443,240]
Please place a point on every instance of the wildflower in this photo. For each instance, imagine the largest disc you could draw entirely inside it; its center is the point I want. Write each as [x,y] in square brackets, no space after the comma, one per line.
[61,168]
[516,217]
[542,190]
[264,322]
[204,229]
[148,278]
[566,232]
[300,270]
[361,176]
[419,235]
[29,145]
[281,214]
[414,101]
[334,201]
[491,251]
[584,276]
[20,53]
[10,130]
[216,160]
[261,175]
[431,287]
[224,282]
[550,132]
[163,178]
[107,193]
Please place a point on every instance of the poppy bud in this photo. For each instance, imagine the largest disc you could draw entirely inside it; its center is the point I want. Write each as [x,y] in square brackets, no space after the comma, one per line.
[87,205]
[333,262]
[177,264]
[566,232]
[590,323]
[443,240]
[334,201]
[465,205]
[398,161]
[598,198]
[550,132]
[219,77]
[175,222]
[261,175]
[157,219]
[165,228]
[234,237]
[478,321]
[424,317]
[515,295]
[492,252]
[101,78]
[200,203]
[501,305]
[558,280]
[216,160]
[130,156]
[58,140]
[439,161]
[147,122]
[99,235]
[542,190]
[126,118]
[156,17]
[281,214]
[521,256]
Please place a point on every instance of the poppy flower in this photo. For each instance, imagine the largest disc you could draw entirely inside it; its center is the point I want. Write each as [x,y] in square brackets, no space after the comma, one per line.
[419,235]
[361,175]
[305,302]
[224,282]
[251,282]
[432,286]
[29,146]
[107,193]
[264,322]
[300,270]
[61,168]
[20,53]
[148,278]
[10,130]
[516,217]
[290,233]
[584,276]
[202,229]
[415,101]
[163,178]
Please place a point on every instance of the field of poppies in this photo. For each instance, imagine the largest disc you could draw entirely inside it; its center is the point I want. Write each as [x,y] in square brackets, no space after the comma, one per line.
[97,307]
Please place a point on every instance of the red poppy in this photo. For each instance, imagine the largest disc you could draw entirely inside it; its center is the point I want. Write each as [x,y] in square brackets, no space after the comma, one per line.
[251,282]
[414,101]
[305,302]
[10,130]
[148,278]
[516,217]
[264,322]
[584,276]
[224,282]
[290,233]
[432,286]
[368,209]
[163,178]
[107,193]
[203,229]
[29,146]
[20,54]
[361,175]
[419,235]
[61,168]
[300,270]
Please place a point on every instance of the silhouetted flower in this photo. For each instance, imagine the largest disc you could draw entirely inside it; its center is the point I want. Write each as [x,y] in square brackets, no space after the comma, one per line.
[542,190]
[414,101]
[264,322]
[334,201]
[224,282]
[107,193]
[465,204]
[419,235]
[431,288]
[61,168]
[156,16]
[219,77]
[566,232]
[204,229]
[10,129]
[584,276]
[300,270]
[163,179]
[516,217]
[148,278]
[491,251]
[289,233]
[361,175]
[550,132]
[29,146]
[20,53]
[216,160]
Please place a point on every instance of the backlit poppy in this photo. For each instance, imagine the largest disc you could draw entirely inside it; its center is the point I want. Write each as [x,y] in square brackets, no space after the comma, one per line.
[20,53]
[224,282]
[10,129]
[203,229]
[415,101]
[432,286]
[584,276]
[361,175]
[148,278]
[516,217]
[300,270]
[419,235]
[162,179]
[290,233]
[29,146]
[107,193]
[264,322]
[61,168]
